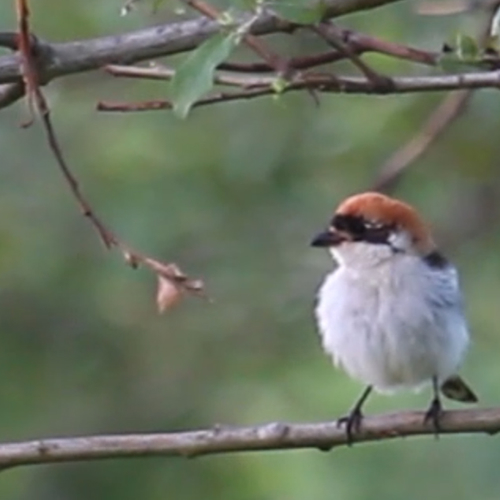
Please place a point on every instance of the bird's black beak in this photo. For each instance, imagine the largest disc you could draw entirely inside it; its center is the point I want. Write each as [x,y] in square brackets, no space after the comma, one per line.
[329,238]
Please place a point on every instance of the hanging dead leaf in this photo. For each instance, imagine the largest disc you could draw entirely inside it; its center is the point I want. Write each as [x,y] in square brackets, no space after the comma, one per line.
[167,294]
[172,273]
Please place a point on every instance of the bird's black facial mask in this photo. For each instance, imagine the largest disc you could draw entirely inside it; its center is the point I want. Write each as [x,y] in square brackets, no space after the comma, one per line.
[360,229]
[355,229]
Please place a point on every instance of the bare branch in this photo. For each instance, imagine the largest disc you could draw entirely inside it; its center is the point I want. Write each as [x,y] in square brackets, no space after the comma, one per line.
[402,85]
[330,84]
[221,439]
[303,62]
[360,43]
[165,73]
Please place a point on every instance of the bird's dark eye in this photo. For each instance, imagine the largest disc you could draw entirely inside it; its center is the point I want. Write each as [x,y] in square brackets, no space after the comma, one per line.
[351,224]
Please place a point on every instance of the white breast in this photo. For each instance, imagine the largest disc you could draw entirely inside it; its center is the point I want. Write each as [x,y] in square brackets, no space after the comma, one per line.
[393,326]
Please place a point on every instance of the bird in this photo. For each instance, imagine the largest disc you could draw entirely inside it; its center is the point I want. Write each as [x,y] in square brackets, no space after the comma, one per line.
[391,312]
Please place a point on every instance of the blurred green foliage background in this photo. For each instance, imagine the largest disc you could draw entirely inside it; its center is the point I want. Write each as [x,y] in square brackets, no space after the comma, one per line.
[233,195]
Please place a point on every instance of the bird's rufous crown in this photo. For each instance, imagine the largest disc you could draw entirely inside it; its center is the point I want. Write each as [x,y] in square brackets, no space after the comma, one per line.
[382,209]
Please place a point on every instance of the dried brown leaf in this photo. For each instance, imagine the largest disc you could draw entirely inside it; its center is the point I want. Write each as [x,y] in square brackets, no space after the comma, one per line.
[168,294]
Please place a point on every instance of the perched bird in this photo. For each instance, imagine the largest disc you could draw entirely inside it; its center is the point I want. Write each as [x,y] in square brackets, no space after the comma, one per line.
[391,313]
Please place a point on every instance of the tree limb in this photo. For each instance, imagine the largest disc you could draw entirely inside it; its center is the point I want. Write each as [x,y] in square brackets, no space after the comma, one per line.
[60,59]
[221,439]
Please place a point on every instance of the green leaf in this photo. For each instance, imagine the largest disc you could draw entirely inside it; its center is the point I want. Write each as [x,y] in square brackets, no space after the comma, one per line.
[298,11]
[195,76]
[467,48]
[464,56]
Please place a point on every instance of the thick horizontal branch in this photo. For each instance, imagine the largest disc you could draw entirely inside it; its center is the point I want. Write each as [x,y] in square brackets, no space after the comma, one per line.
[60,59]
[275,436]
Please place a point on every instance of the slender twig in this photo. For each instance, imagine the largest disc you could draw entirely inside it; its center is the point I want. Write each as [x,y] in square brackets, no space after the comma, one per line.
[37,101]
[322,29]
[350,85]
[222,439]
[165,73]
[448,110]
[402,85]
[161,104]
[360,43]
[29,73]
[258,46]
[304,62]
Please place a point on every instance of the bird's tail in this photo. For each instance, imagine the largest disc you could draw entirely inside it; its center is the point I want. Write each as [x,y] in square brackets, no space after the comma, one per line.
[455,388]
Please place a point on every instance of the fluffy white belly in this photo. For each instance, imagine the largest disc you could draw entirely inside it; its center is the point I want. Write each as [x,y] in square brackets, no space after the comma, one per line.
[392,334]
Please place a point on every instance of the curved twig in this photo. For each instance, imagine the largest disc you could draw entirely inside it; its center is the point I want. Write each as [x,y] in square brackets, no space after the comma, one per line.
[438,122]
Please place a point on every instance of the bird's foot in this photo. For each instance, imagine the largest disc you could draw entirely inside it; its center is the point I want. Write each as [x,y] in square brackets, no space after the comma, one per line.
[433,416]
[352,424]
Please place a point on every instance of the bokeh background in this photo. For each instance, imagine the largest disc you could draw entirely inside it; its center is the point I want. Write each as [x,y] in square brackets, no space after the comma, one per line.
[233,195]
